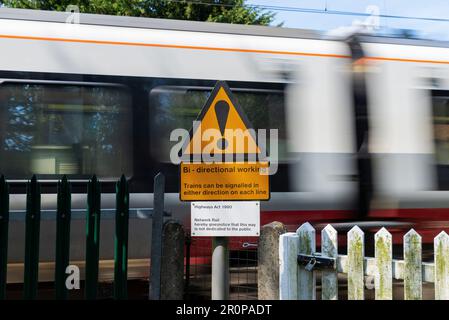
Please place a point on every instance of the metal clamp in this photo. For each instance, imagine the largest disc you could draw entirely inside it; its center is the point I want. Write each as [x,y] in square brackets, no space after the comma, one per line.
[316,261]
[249,245]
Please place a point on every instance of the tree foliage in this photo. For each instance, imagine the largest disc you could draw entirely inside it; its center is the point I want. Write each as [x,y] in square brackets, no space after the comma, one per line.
[227,11]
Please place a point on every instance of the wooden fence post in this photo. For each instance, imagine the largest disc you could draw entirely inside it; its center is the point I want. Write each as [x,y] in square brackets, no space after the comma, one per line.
[172,263]
[306,279]
[412,266]
[441,249]
[356,254]
[288,266]
[268,261]
[383,280]
[329,248]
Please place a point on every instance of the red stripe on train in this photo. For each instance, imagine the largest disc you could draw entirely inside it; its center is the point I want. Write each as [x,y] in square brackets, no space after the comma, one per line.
[296,218]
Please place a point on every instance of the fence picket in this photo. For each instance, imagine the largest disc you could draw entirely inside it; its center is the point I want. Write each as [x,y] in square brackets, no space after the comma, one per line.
[306,279]
[92,237]
[383,281]
[329,248]
[32,230]
[441,249]
[121,239]
[412,266]
[382,267]
[288,266]
[356,253]
[63,217]
[4,221]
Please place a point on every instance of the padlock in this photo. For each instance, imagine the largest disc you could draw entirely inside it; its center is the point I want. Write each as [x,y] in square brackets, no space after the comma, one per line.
[311,264]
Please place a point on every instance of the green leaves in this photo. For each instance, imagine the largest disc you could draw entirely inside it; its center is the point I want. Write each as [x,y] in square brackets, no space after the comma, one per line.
[226,11]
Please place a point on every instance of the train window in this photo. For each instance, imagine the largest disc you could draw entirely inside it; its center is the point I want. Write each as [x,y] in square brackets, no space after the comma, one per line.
[54,129]
[440,102]
[177,107]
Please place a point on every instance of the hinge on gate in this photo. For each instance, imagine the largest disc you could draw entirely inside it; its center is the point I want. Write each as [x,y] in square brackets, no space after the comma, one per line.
[317,261]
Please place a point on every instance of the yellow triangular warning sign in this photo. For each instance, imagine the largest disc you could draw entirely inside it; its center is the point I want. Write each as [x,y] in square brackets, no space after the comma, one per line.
[223,127]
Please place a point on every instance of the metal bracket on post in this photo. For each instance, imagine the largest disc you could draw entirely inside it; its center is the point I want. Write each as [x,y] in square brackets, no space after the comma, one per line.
[316,262]
[156,241]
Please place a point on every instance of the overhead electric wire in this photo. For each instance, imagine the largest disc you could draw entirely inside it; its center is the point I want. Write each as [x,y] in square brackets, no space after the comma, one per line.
[313,11]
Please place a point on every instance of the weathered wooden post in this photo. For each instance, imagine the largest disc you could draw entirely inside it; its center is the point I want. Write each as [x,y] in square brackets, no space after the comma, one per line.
[383,280]
[356,255]
[329,248]
[412,266]
[268,264]
[172,265]
[306,278]
[441,249]
[288,266]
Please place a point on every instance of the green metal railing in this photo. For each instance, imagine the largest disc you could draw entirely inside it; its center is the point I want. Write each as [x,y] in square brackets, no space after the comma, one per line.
[4,220]
[63,216]
[92,237]
[63,220]
[121,240]
[32,228]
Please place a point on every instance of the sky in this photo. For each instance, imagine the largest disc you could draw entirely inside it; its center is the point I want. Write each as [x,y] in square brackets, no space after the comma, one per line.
[437,30]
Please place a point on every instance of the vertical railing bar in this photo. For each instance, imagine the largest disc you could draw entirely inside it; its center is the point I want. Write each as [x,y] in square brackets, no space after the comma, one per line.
[92,237]
[4,221]
[32,239]
[121,239]
[63,217]
[156,241]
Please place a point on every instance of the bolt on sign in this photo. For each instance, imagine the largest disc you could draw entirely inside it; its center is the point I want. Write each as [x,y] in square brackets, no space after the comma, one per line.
[221,160]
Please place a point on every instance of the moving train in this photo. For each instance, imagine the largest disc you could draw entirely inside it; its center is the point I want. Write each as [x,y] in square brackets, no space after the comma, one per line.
[363,122]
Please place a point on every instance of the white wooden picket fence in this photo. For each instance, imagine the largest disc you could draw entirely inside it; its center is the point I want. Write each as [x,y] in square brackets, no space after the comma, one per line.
[296,282]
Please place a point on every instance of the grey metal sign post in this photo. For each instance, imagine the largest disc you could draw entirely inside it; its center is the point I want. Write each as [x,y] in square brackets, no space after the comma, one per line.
[220,268]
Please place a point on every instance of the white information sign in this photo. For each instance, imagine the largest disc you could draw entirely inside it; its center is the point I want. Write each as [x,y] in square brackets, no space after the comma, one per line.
[225,218]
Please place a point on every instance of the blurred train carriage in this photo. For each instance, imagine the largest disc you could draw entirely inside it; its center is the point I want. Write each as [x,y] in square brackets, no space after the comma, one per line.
[363,124]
